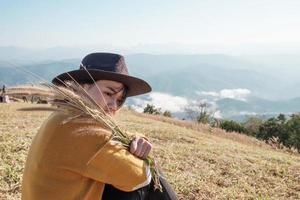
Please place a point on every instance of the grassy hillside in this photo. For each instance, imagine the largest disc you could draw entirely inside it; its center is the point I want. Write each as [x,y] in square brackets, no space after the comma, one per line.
[200,162]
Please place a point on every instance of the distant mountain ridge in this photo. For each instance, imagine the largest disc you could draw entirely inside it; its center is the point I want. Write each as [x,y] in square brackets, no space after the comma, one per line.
[184,75]
[181,75]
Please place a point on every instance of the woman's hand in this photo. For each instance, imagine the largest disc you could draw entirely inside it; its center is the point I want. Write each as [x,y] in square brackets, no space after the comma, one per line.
[140,147]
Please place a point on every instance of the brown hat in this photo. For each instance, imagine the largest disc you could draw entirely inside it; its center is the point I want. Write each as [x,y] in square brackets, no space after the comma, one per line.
[105,66]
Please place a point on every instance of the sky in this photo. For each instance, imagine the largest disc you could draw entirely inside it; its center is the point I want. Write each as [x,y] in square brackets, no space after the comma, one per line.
[228,25]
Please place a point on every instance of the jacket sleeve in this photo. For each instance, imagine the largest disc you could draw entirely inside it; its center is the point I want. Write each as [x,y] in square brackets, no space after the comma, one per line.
[113,164]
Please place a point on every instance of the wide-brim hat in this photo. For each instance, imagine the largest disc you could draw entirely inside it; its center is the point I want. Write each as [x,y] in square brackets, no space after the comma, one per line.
[105,66]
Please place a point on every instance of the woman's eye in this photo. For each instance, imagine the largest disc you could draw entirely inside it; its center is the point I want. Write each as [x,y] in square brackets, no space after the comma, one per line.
[107,93]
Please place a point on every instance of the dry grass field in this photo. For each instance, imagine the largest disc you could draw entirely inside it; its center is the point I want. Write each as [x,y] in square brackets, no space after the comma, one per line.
[199,161]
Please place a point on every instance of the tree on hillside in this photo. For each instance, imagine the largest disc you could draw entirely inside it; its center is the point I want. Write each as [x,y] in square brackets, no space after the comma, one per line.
[150,109]
[201,112]
[293,127]
[252,125]
[286,130]
[167,114]
[274,127]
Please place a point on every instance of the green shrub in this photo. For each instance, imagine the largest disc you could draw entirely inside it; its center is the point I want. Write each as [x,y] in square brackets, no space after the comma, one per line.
[232,126]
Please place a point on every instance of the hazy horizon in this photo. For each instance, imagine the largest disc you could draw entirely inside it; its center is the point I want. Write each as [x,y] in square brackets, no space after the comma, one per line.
[229,27]
[160,49]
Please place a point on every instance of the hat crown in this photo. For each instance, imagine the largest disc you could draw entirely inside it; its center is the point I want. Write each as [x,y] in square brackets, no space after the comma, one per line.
[104,66]
[105,61]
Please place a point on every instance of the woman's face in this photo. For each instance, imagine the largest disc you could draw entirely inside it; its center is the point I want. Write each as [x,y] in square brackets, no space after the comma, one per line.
[111,96]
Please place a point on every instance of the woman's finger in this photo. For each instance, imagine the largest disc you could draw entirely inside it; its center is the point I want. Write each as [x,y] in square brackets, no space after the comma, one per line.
[139,148]
[149,148]
[133,146]
[147,151]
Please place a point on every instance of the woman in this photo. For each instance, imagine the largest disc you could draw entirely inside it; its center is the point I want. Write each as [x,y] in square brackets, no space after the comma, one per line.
[76,160]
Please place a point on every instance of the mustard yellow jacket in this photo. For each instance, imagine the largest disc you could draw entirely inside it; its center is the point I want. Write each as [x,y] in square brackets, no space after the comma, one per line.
[74,161]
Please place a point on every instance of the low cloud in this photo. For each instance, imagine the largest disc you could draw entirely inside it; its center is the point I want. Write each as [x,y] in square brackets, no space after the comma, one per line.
[175,104]
[161,100]
[238,94]
[181,105]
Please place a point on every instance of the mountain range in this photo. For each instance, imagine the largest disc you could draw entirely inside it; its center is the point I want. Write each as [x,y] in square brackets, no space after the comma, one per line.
[270,90]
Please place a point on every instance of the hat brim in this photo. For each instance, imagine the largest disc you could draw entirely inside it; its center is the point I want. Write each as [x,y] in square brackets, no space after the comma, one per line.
[135,85]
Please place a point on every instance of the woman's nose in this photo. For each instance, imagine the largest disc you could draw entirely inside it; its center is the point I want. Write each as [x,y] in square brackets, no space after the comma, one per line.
[113,106]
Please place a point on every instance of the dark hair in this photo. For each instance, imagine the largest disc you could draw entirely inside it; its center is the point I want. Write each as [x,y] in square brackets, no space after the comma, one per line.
[124,96]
